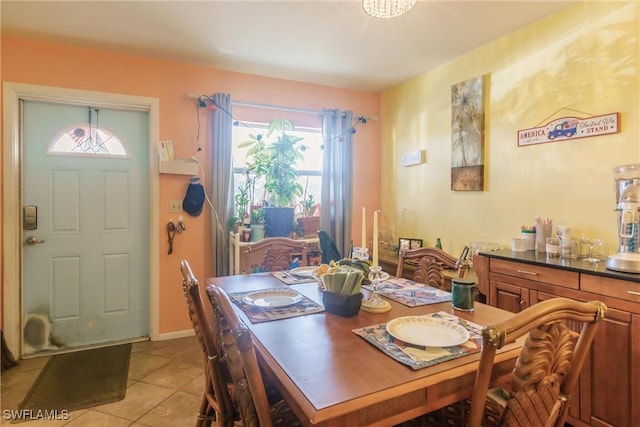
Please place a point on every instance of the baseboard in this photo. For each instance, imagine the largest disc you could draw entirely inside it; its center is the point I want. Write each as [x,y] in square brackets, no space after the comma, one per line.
[176,334]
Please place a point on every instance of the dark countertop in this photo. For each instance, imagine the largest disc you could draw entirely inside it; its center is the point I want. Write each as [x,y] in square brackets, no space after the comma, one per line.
[580,266]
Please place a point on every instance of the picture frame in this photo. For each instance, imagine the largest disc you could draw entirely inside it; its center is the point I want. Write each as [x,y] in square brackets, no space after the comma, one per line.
[405,243]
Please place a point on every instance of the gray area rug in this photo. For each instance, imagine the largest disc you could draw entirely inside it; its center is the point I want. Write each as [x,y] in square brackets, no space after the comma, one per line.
[81,379]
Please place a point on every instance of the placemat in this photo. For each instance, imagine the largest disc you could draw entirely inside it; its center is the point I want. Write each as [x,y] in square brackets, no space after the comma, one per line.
[411,293]
[257,314]
[418,357]
[290,279]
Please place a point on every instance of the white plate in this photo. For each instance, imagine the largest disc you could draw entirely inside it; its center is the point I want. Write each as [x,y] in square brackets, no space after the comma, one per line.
[273,298]
[427,331]
[304,271]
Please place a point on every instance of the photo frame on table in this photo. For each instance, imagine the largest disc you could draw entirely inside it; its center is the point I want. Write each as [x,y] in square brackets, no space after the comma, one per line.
[405,243]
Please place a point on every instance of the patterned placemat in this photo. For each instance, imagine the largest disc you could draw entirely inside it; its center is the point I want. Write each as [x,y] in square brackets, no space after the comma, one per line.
[258,315]
[418,357]
[411,293]
[291,279]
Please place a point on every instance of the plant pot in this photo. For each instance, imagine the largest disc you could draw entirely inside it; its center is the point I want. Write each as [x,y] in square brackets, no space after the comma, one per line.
[342,305]
[278,221]
[309,225]
[257,232]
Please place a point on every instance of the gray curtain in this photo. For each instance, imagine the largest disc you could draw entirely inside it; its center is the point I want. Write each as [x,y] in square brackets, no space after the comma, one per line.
[222,181]
[337,177]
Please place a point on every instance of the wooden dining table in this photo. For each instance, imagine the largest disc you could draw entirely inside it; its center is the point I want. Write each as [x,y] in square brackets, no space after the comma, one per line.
[332,377]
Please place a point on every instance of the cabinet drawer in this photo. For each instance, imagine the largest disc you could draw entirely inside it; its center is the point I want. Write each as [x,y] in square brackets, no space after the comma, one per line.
[564,278]
[629,291]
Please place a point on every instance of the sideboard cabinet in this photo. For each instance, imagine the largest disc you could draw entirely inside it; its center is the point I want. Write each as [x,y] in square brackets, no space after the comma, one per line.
[609,390]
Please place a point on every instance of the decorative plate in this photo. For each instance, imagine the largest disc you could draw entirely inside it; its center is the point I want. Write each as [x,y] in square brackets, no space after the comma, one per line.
[304,271]
[274,298]
[427,331]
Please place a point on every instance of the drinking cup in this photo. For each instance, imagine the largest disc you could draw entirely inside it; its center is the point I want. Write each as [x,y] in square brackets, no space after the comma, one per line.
[518,244]
[552,247]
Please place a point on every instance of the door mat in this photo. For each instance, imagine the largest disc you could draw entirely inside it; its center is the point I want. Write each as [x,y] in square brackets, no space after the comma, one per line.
[80,380]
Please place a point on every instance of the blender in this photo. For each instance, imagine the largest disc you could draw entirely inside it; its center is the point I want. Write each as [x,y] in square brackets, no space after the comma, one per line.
[627,186]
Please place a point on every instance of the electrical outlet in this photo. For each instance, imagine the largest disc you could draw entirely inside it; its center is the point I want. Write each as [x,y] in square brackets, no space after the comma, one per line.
[175,205]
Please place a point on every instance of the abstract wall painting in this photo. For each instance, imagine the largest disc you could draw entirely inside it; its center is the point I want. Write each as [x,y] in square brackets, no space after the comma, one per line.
[467,135]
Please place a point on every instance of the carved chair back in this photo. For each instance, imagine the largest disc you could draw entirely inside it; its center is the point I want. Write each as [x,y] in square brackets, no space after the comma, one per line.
[547,370]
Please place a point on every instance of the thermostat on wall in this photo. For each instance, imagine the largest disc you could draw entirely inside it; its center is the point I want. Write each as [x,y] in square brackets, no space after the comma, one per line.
[413,158]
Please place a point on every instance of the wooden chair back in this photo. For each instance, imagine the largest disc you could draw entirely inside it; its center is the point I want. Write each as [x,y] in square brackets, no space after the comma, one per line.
[216,408]
[547,370]
[431,261]
[237,346]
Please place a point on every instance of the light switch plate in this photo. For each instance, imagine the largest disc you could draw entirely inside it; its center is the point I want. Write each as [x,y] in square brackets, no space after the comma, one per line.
[413,158]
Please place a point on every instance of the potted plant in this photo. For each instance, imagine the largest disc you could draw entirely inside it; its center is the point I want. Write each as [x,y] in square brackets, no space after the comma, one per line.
[273,158]
[308,221]
[257,224]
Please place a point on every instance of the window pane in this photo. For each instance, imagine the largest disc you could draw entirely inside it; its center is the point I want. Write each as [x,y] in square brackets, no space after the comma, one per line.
[86,141]
[309,169]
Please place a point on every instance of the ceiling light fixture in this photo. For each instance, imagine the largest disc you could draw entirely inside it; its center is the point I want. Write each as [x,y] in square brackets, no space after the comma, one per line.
[387,8]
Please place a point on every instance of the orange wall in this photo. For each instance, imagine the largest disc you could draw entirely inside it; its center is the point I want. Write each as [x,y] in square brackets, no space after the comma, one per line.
[50,64]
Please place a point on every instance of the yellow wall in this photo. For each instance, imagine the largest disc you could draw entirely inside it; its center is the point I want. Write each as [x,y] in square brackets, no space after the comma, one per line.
[583,59]
[52,64]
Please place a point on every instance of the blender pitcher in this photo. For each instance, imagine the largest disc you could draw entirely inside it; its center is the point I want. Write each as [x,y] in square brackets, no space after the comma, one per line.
[627,259]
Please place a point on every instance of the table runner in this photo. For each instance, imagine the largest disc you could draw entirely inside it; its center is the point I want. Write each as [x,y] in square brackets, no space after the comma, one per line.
[418,357]
[411,293]
[257,314]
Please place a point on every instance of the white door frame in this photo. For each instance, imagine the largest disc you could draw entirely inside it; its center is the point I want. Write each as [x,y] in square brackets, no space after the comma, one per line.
[12,193]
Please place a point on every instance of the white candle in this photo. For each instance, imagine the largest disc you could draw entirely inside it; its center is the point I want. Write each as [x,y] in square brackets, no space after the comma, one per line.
[375,238]
[364,228]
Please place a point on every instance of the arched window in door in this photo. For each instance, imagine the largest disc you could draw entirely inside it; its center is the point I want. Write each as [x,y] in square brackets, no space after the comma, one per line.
[86,140]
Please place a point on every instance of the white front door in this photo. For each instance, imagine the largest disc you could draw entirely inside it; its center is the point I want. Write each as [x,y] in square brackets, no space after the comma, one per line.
[85,227]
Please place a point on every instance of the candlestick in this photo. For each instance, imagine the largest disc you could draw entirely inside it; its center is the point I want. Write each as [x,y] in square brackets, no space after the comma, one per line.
[375,238]
[364,228]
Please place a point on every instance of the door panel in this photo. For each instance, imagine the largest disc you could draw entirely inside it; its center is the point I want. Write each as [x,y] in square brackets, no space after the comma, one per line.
[89,276]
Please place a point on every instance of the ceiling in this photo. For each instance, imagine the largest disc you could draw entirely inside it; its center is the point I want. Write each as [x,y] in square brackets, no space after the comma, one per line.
[327,42]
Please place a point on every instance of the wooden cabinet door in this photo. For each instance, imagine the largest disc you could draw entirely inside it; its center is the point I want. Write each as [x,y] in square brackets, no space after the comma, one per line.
[614,371]
[507,296]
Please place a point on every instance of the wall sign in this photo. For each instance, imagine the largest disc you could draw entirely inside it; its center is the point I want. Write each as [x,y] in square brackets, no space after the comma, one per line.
[570,128]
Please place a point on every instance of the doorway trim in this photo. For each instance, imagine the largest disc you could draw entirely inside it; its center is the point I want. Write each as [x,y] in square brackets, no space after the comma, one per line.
[12,196]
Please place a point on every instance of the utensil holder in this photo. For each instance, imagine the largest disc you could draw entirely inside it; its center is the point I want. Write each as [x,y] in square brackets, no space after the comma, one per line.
[342,305]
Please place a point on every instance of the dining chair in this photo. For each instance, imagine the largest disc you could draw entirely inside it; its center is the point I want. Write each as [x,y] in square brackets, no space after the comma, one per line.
[430,262]
[559,333]
[216,408]
[237,347]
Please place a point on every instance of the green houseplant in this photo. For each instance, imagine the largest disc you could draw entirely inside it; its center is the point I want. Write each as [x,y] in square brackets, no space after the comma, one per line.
[309,223]
[273,158]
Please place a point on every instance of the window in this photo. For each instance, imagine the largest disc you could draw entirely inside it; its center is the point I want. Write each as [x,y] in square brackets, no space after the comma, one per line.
[86,141]
[309,169]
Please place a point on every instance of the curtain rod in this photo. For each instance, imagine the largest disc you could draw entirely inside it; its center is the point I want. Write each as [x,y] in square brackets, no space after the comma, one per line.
[275,107]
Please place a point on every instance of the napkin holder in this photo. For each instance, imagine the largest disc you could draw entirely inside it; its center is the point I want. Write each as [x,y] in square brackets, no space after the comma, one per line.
[342,305]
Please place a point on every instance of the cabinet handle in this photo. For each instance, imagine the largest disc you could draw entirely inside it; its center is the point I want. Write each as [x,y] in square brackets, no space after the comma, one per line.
[633,292]
[527,272]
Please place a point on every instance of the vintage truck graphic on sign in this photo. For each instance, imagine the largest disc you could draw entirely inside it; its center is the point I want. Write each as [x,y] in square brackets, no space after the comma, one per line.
[569,128]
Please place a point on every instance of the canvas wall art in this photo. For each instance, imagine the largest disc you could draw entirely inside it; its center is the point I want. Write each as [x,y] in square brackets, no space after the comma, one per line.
[467,135]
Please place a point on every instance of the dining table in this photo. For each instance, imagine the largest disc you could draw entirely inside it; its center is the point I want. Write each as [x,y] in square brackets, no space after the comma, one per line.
[331,376]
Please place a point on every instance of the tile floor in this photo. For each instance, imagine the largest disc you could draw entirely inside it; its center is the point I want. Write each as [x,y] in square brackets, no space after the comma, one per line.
[164,389]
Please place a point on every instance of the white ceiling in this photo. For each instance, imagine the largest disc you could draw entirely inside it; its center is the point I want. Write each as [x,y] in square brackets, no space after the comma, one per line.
[328,42]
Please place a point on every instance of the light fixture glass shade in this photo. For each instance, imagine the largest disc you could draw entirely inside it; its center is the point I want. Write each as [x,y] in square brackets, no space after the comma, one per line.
[387,8]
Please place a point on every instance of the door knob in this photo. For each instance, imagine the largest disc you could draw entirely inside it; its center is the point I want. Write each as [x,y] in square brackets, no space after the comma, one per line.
[32,240]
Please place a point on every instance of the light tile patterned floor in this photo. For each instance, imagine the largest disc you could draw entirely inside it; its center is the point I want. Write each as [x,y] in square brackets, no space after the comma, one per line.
[164,389]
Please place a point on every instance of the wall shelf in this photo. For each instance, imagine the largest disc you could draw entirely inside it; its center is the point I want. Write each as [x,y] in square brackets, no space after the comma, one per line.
[179,167]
